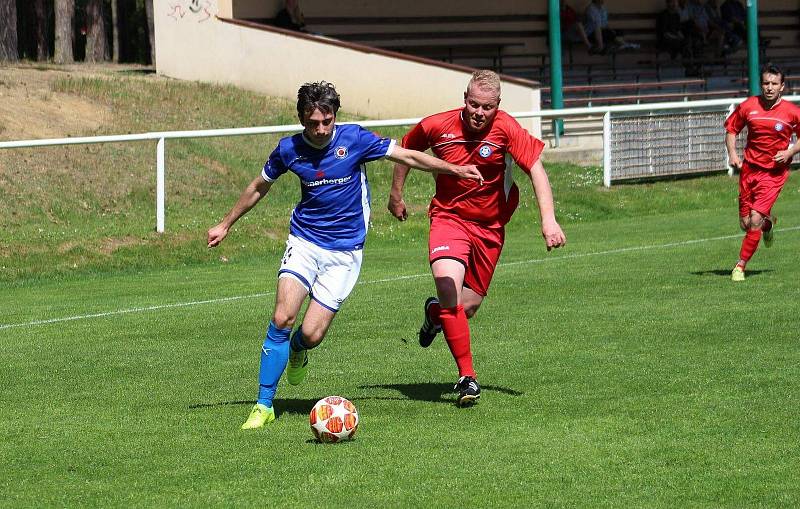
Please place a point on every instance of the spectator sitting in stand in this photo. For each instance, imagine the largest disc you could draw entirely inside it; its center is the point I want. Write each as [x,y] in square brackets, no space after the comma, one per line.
[596,26]
[735,15]
[572,29]
[704,28]
[668,28]
[291,17]
[730,40]
[690,30]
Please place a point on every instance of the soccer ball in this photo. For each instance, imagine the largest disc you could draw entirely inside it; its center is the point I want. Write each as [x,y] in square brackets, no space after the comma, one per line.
[333,419]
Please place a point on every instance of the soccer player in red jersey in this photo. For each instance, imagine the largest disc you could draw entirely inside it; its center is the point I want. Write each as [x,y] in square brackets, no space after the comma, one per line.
[770,122]
[467,221]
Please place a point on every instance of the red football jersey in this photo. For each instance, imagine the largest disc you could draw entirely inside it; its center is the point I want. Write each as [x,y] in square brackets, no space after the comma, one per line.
[768,131]
[491,150]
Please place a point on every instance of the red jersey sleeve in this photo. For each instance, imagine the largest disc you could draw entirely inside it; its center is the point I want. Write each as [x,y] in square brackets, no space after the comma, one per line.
[416,139]
[524,148]
[736,120]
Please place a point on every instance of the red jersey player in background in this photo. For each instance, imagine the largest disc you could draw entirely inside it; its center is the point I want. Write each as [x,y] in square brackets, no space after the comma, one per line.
[468,221]
[770,123]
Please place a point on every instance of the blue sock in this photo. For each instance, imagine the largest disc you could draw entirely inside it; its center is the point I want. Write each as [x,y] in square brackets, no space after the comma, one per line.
[274,356]
[297,342]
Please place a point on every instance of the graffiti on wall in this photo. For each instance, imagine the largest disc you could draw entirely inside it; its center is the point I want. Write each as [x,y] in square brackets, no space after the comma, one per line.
[196,10]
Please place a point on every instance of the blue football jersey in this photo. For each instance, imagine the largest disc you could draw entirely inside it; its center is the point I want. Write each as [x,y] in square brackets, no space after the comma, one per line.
[334,208]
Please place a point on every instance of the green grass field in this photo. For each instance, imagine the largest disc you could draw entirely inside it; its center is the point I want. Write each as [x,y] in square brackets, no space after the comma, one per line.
[625,369]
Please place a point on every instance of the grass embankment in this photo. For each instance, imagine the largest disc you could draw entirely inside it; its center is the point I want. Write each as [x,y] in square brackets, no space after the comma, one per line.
[90,208]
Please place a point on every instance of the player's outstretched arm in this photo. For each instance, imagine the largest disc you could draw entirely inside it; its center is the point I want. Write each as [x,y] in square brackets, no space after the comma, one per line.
[425,162]
[251,195]
[551,231]
[397,206]
[730,145]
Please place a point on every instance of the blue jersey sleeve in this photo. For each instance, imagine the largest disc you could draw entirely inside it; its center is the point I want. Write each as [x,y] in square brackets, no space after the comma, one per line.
[373,146]
[274,167]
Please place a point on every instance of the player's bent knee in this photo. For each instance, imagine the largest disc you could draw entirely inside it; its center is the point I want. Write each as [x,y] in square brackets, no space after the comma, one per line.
[313,339]
[470,311]
[744,223]
[283,320]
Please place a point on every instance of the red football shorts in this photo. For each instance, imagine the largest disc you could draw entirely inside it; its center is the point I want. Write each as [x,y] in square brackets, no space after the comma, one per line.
[476,246]
[759,189]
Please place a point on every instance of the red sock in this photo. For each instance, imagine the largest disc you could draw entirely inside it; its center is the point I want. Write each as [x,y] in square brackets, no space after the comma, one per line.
[434,310]
[456,332]
[749,244]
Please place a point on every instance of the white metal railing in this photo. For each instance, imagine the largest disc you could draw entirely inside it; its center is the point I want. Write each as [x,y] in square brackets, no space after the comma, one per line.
[161,137]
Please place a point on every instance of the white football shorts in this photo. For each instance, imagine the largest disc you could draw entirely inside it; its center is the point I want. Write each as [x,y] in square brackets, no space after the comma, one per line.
[329,276]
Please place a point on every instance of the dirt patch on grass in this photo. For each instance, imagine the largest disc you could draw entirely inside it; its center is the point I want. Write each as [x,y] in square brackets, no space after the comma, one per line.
[61,183]
[29,109]
[106,246]
[84,206]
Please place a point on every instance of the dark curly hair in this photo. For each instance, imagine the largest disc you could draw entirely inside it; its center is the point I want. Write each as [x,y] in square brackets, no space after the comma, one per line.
[319,95]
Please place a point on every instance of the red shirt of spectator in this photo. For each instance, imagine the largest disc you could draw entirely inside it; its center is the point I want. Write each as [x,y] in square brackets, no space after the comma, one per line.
[491,150]
[568,16]
[768,130]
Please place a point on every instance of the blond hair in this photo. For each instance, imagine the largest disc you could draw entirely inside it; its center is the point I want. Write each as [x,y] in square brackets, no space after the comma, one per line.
[485,80]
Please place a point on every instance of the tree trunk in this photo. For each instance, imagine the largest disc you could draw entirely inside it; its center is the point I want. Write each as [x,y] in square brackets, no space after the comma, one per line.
[65,14]
[148,7]
[8,31]
[115,30]
[42,39]
[96,45]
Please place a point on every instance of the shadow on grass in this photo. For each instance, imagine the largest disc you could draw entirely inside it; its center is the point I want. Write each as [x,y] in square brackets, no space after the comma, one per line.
[137,72]
[221,403]
[727,272]
[433,392]
[289,406]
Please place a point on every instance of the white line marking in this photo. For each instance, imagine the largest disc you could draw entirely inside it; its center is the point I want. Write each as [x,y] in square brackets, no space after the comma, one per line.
[386,280]
[132,310]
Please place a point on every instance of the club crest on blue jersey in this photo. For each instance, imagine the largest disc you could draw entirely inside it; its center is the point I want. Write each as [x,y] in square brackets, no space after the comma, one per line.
[779,127]
[485,151]
[340,152]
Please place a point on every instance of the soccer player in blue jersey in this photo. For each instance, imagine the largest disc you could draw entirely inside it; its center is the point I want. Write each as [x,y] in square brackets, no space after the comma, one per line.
[327,230]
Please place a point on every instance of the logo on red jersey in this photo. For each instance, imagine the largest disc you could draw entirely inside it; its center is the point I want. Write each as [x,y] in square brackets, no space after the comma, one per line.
[340,152]
[440,248]
[485,151]
[779,127]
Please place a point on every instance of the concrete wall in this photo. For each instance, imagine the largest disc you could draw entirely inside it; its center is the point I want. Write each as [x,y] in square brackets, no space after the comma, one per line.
[193,44]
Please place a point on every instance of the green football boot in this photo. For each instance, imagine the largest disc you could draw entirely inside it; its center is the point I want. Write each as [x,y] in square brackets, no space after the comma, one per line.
[259,416]
[737,274]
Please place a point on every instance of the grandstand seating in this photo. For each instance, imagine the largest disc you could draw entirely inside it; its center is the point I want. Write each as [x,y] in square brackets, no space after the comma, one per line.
[517,45]
[410,31]
[635,92]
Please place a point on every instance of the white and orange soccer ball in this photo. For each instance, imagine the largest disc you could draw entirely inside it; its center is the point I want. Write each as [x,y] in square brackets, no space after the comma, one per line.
[333,419]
